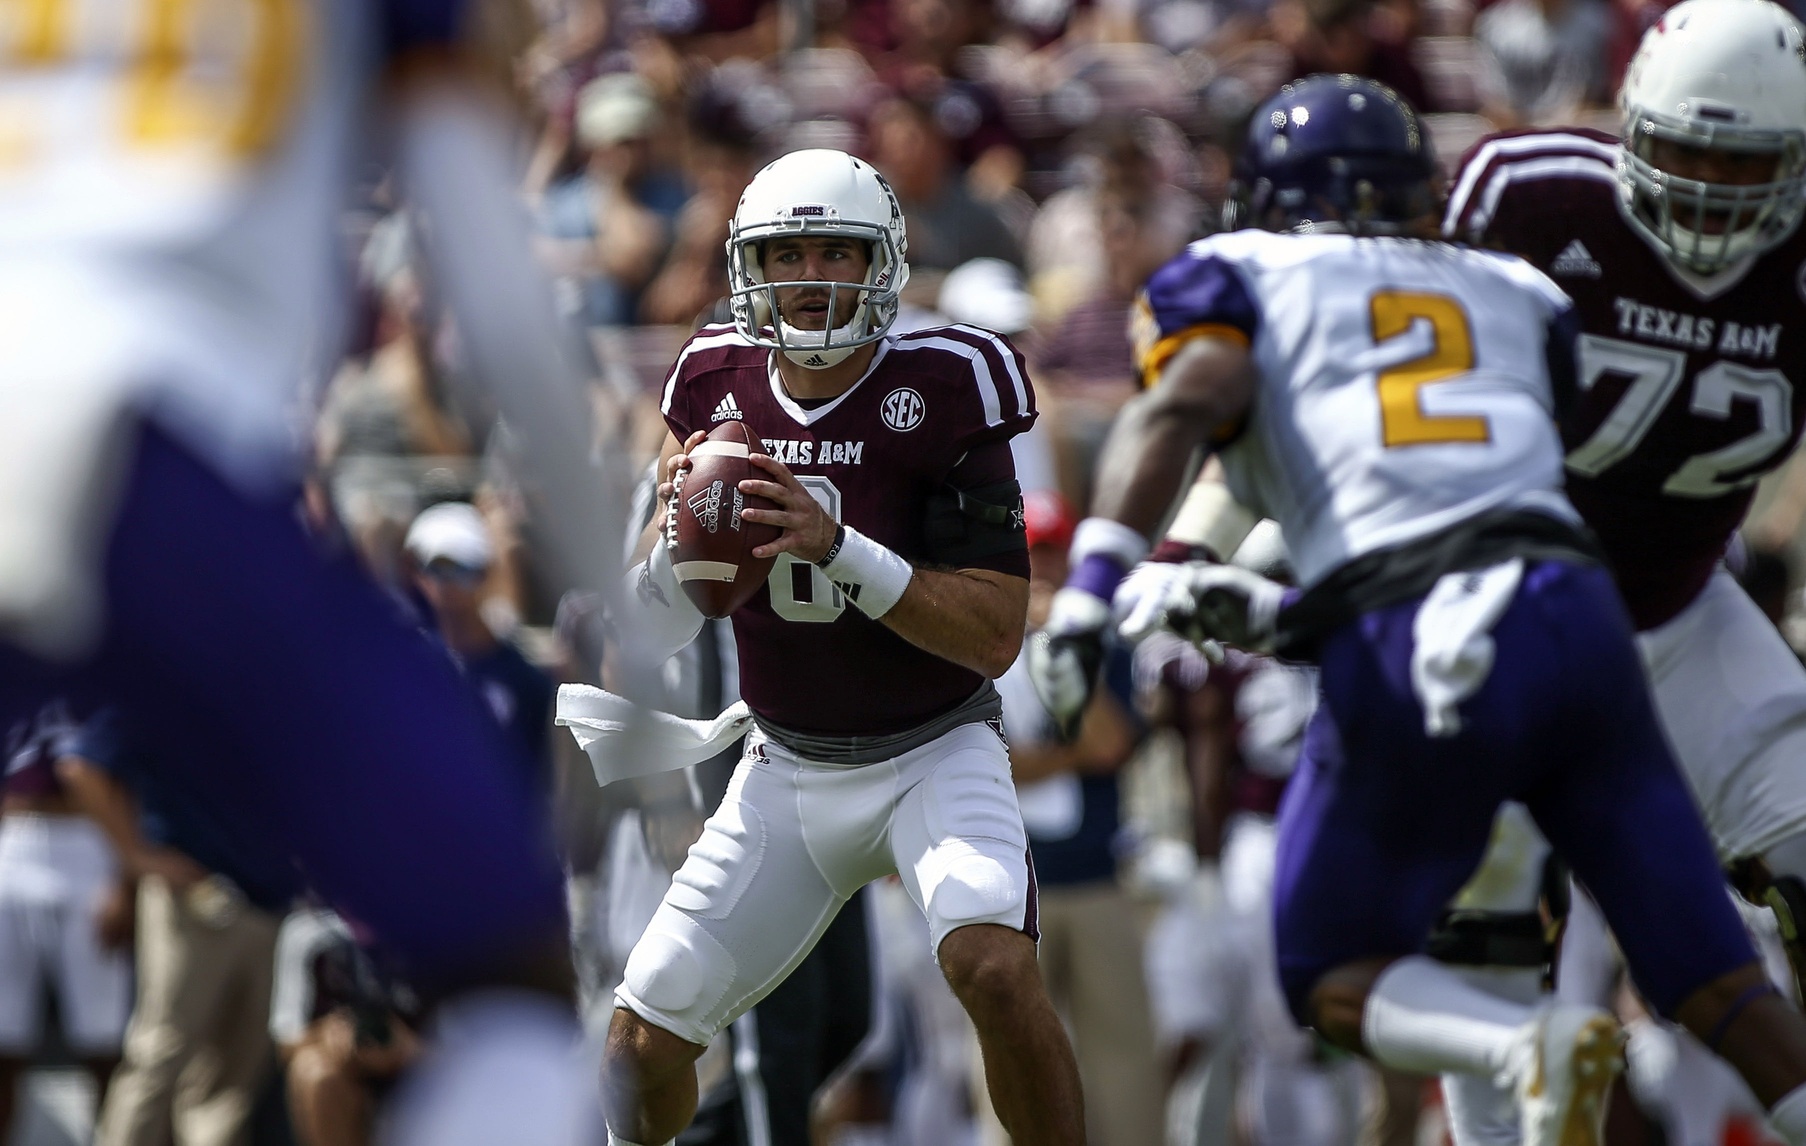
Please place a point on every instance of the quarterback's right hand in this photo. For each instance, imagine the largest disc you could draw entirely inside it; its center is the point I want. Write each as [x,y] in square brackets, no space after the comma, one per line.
[1203,601]
[1065,656]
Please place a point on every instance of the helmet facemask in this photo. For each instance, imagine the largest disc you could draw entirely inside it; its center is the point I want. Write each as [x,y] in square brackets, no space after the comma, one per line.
[755,305]
[1706,227]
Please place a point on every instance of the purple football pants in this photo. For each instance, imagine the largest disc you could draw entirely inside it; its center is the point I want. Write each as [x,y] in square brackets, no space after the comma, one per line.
[292,697]
[1383,824]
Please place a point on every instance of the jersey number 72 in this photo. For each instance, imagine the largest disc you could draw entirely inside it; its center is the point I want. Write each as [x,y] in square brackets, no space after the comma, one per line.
[1655,373]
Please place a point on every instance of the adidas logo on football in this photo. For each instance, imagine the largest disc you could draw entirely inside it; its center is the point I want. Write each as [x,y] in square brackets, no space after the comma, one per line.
[727,409]
[707,506]
[815,360]
[1576,261]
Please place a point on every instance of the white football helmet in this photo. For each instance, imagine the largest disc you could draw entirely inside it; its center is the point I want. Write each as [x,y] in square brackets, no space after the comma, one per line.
[817,192]
[1720,74]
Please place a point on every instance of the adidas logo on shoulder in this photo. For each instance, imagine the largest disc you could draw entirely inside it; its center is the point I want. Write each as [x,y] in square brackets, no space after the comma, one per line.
[728,409]
[1575,261]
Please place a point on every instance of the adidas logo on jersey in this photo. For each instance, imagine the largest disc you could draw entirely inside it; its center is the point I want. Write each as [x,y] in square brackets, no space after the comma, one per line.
[1576,261]
[727,409]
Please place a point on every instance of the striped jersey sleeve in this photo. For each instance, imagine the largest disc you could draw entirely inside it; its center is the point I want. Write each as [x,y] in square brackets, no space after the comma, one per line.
[988,381]
[1514,165]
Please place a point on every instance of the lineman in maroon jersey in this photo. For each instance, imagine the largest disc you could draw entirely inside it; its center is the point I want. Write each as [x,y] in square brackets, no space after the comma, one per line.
[1683,255]
[900,591]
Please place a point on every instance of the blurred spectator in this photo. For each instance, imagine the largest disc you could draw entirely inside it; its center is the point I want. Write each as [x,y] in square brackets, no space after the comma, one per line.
[947,226]
[608,228]
[198,1049]
[1068,257]
[720,157]
[344,1030]
[1355,36]
[1542,60]
[65,915]
[1085,364]
[1090,935]
[452,554]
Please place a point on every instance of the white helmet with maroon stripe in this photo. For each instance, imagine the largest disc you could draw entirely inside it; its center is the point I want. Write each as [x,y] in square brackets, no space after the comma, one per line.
[817,192]
[1721,75]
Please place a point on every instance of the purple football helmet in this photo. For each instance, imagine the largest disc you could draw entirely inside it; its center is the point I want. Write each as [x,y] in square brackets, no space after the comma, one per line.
[1337,150]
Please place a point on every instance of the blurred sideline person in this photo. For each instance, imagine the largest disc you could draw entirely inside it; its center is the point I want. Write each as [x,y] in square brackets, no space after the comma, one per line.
[453,554]
[866,660]
[344,1030]
[1091,929]
[1210,954]
[170,238]
[209,901]
[1423,513]
[65,914]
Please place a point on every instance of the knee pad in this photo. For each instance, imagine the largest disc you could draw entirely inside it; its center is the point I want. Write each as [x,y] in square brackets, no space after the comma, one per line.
[675,977]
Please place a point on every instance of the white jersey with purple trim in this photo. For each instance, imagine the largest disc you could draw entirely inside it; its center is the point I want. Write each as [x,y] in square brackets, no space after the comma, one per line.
[171,177]
[1404,385]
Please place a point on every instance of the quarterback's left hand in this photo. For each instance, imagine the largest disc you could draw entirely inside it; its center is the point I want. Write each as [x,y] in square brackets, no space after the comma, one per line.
[1065,656]
[808,530]
[1205,601]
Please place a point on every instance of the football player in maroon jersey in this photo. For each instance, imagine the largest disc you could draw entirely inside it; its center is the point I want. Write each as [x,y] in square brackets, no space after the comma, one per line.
[1680,245]
[900,591]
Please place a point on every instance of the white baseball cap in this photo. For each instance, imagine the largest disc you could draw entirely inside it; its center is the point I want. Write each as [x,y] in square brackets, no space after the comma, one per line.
[989,293]
[451,531]
[614,108]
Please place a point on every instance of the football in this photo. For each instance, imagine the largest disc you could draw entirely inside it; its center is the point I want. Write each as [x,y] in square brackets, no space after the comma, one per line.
[712,554]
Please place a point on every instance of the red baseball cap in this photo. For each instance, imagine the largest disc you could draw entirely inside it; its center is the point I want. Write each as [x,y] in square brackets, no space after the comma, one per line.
[1049,518]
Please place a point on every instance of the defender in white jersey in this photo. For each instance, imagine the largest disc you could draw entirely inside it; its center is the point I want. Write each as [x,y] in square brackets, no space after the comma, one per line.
[1472,649]
[171,181]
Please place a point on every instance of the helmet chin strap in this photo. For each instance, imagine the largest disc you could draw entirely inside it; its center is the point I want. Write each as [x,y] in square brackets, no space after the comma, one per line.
[820,358]
[809,349]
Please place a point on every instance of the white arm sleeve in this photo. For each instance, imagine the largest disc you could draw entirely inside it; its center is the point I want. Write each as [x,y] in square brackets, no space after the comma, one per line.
[1210,516]
[657,616]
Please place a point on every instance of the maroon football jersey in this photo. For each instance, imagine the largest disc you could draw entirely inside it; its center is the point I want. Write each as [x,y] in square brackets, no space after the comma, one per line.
[936,406]
[1685,384]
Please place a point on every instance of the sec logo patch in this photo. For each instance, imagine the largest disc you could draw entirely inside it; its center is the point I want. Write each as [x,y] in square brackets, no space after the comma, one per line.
[902,409]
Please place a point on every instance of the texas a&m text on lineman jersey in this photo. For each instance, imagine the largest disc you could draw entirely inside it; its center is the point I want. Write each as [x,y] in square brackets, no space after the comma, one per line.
[1685,394]
[936,408]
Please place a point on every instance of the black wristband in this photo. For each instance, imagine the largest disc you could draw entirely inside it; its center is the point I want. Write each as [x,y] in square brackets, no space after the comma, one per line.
[840,537]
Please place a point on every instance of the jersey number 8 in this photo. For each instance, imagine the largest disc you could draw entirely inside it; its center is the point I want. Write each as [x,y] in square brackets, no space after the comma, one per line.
[800,591]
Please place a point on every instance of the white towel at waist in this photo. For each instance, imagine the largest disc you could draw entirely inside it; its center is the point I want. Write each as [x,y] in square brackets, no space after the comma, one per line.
[1453,649]
[624,740]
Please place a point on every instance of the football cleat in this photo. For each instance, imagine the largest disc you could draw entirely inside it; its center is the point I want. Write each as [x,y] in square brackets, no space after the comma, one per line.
[1575,1053]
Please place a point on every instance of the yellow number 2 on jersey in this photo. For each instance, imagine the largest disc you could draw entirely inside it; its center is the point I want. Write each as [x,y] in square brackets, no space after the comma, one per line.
[1402,418]
[220,74]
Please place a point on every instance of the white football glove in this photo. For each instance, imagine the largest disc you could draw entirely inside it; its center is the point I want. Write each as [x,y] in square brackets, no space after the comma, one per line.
[1143,594]
[1202,601]
[1065,656]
